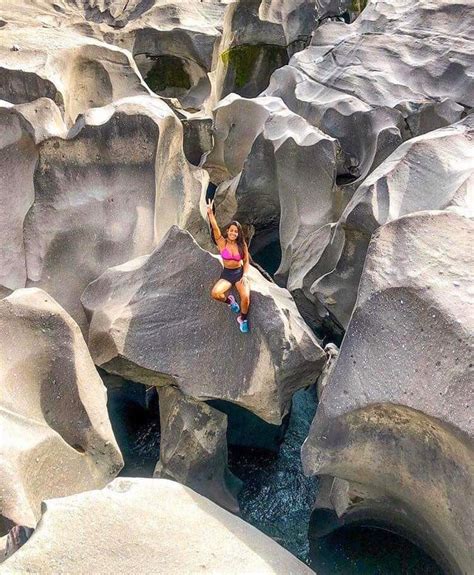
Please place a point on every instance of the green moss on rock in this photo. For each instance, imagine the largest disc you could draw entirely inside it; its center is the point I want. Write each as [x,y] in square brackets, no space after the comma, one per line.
[358,5]
[242,59]
[168,72]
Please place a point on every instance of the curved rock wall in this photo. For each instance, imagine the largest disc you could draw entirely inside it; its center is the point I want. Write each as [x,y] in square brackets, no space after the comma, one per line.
[396,413]
[349,145]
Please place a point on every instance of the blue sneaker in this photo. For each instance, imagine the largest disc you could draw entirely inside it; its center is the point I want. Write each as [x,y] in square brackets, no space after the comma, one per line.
[243,324]
[234,306]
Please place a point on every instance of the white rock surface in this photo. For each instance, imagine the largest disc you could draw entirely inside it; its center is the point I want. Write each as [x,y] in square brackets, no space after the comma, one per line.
[75,71]
[56,437]
[162,36]
[22,128]
[402,68]
[143,526]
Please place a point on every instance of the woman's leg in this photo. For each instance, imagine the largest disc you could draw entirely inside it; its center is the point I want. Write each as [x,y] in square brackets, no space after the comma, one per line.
[220,289]
[243,287]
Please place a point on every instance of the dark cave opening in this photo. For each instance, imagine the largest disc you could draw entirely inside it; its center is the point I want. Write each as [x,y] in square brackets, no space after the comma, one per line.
[363,550]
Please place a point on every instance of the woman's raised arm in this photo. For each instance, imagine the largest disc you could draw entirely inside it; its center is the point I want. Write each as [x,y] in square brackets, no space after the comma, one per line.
[215,228]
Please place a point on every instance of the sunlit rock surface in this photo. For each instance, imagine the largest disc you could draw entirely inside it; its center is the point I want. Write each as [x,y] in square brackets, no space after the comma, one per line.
[259,36]
[56,437]
[153,321]
[132,517]
[396,413]
[172,45]
[22,128]
[401,69]
[75,71]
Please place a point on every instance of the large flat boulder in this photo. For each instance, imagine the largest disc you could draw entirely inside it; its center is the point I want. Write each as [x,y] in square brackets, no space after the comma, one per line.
[396,412]
[107,193]
[56,436]
[153,321]
[147,525]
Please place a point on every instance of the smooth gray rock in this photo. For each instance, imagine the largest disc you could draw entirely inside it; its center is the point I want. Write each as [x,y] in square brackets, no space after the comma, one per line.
[396,414]
[342,503]
[73,70]
[22,128]
[371,93]
[193,448]
[432,171]
[106,194]
[153,321]
[131,517]
[172,45]
[259,36]
[56,436]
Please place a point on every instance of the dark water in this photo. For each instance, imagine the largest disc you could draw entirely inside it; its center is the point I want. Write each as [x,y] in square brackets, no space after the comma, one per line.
[268,257]
[276,498]
[365,551]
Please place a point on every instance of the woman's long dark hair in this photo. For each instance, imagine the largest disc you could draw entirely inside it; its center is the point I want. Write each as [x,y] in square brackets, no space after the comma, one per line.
[241,243]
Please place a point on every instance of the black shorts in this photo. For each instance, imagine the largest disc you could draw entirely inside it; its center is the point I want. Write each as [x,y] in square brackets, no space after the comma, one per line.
[232,276]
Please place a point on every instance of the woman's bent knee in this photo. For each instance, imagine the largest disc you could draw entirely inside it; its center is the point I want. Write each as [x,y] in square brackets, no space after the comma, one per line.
[217,295]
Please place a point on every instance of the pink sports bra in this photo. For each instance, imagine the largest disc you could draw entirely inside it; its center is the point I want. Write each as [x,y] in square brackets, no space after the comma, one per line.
[227,255]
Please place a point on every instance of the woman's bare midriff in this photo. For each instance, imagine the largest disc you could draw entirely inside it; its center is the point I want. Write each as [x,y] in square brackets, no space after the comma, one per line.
[231,266]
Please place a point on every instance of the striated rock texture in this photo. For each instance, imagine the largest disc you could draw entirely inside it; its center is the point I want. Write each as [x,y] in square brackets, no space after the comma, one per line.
[400,70]
[153,321]
[396,413]
[73,70]
[105,194]
[127,535]
[56,435]
[433,171]
[80,52]
[22,128]
[193,448]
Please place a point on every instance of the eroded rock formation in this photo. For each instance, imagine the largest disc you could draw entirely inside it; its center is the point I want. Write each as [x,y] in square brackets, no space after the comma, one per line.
[130,518]
[396,413]
[107,194]
[153,321]
[433,171]
[56,437]
[358,87]
[22,128]
[284,174]
[193,448]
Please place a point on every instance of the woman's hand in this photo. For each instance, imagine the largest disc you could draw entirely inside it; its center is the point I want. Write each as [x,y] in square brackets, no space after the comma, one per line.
[210,206]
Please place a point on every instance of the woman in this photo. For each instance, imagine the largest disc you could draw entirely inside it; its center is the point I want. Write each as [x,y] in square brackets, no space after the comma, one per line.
[235,256]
